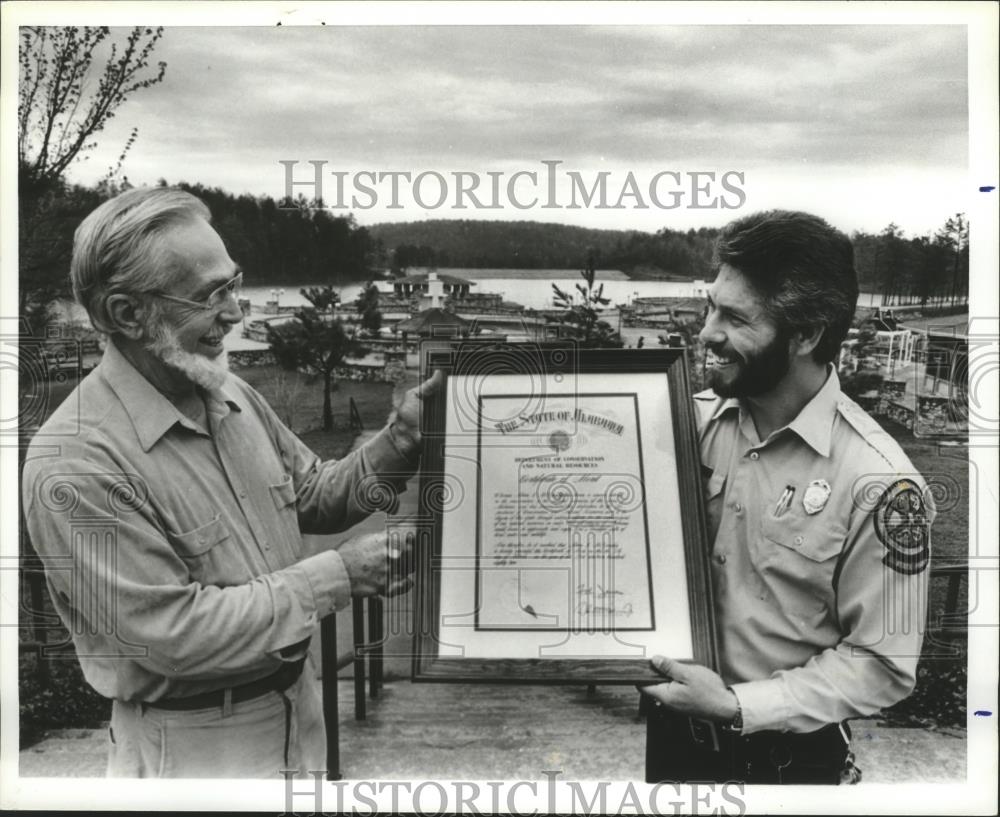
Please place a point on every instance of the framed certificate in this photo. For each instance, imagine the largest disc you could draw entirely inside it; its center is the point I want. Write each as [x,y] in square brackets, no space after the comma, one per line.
[567,541]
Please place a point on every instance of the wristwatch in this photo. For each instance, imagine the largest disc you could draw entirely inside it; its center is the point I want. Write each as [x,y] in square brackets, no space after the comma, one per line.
[736,724]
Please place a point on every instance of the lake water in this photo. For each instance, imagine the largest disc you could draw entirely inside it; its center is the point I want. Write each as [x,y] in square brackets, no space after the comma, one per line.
[531,288]
[531,292]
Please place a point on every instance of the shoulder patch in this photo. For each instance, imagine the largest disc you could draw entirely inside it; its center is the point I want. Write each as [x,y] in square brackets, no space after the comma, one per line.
[903,527]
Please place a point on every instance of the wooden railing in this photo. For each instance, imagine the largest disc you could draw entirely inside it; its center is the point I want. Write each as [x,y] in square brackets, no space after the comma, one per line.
[953,622]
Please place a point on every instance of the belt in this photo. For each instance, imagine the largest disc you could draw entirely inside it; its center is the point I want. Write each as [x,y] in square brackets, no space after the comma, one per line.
[832,735]
[712,736]
[276,682]
[683,748]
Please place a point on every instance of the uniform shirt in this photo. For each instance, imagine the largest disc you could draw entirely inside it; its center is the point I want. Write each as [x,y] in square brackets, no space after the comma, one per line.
[175,556]
[820,614]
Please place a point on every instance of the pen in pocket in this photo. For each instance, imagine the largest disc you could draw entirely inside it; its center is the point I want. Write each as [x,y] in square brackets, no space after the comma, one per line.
[785,501]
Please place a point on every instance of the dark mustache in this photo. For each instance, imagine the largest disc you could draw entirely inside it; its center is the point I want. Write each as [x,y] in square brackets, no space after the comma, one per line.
[718,352]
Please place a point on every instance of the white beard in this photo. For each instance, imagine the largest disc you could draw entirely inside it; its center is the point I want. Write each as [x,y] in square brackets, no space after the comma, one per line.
[209,373]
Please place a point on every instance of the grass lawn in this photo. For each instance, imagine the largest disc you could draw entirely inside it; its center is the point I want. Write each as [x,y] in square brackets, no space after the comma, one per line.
[299,404]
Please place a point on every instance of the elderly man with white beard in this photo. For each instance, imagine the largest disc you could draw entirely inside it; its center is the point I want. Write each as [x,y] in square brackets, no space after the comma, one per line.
[168,503]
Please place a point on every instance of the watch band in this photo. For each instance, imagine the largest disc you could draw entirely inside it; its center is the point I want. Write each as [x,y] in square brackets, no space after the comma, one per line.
[736,724]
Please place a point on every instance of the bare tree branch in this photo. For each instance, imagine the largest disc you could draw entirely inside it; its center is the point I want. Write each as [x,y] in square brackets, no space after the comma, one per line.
[59,110]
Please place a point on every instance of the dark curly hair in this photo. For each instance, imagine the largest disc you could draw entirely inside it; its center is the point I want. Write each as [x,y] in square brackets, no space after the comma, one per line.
[801,266]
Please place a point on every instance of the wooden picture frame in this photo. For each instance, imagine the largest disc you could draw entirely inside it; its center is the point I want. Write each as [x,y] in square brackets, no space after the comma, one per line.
[567,544]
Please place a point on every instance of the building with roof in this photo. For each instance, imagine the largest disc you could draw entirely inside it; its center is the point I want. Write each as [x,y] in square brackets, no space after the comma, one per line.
[432,287]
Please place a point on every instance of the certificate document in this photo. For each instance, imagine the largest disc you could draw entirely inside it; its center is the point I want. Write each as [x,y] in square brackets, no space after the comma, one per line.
[562,539]
[561,531]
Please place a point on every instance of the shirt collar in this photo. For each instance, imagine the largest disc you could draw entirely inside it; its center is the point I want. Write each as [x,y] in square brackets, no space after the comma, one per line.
[726,405]
[814,423]
[151,413]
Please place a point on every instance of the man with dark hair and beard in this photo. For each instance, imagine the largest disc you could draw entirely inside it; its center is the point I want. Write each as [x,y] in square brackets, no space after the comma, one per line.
[818,526]
[168,502]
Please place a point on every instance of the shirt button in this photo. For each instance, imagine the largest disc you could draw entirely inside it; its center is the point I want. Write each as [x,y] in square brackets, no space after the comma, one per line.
[798,540]
[721,558]
[755,456]
[737,507]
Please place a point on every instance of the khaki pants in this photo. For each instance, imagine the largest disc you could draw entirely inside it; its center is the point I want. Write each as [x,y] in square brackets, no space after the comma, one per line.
[256,739]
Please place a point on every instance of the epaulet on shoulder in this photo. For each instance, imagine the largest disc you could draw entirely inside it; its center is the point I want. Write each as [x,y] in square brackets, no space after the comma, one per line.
[877,438]
[859,419]
[704,403]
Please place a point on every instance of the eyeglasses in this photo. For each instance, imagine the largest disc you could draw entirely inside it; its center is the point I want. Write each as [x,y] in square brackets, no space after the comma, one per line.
[217,298]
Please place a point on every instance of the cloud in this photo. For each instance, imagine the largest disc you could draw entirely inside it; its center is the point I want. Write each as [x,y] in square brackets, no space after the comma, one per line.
[877,99]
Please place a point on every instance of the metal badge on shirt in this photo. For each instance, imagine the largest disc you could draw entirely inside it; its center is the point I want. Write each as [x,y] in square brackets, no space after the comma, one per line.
[816,496]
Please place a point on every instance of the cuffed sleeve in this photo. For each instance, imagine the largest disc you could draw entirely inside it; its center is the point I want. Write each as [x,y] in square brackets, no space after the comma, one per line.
[331,586]
[762,704]
[404,445]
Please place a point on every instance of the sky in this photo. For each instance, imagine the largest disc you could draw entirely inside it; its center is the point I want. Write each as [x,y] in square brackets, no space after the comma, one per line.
[864,125]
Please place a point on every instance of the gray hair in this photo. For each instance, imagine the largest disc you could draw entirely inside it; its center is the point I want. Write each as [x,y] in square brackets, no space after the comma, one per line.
[117,248]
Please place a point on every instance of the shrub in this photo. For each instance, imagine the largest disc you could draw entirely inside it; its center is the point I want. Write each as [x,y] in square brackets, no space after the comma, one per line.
[866,377]
[63,701]
[939,698]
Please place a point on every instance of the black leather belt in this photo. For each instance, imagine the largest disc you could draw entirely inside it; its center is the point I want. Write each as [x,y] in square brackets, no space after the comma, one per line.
[277,682]
[679,748]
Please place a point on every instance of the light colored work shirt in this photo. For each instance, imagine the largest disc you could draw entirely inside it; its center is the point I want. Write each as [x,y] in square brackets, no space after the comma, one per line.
[174,553]
[820,543]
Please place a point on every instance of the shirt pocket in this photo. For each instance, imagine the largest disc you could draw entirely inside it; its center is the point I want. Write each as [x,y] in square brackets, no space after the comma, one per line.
[209,555]
[812,537]
[283,522]
[797,556]
[283,492]
[198,542]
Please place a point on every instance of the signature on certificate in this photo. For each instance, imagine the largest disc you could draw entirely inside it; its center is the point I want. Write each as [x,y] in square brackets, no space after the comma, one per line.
[600,600]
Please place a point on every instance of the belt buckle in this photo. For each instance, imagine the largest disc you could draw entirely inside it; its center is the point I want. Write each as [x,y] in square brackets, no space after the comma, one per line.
[704,733]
